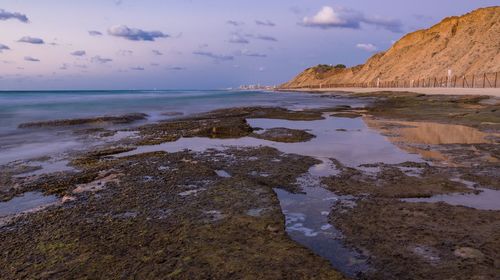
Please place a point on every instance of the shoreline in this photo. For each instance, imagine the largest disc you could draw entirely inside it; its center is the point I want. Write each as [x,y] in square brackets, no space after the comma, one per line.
[201,207]
[495,92]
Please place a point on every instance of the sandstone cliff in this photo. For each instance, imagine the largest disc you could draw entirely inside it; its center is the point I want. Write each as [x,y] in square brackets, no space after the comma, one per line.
[468,44]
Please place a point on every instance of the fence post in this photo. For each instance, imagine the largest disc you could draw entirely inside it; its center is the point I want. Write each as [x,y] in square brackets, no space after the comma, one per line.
[484,80]
[473,76]
[496,78]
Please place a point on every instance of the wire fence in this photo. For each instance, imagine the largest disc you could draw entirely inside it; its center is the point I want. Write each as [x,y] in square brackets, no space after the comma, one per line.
[486,80]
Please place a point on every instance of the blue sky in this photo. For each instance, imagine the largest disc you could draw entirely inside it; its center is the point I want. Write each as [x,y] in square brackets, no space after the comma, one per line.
[197,44]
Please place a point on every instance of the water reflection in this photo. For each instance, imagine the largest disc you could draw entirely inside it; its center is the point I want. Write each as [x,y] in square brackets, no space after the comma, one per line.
[357,146]
[437,133]
[414,137]
[307,223]
[28,202]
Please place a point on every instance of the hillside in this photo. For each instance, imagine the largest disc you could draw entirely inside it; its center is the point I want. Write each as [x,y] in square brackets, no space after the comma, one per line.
[468,44]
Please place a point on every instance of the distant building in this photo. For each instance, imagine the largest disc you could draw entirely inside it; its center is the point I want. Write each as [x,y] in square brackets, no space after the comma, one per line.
[257,87]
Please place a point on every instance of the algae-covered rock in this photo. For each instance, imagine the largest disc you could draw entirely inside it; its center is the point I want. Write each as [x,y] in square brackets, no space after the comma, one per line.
[124,119]
[285,135]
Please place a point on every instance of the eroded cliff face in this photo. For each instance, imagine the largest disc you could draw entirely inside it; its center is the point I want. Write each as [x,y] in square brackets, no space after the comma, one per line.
[468,44]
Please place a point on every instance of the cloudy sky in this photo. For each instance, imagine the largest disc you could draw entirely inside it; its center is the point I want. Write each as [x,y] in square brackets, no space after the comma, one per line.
[197,44]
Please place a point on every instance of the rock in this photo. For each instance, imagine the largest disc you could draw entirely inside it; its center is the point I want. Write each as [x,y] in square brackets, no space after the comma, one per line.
[285,135]
[172,114]
[468,253]
[349,115]
[68,198]
[123,119]
[273,228]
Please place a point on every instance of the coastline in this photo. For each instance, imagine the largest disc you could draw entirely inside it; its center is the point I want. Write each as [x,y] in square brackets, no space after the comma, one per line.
[430,91]
[176,189]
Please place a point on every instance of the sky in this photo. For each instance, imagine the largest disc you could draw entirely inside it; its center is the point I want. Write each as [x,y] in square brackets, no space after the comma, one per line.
[197,44]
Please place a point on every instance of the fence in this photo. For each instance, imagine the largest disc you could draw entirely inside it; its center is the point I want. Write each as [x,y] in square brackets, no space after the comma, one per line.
[487,80]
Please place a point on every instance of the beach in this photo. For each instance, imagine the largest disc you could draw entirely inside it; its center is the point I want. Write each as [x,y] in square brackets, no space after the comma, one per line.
[273,185]
[495,92]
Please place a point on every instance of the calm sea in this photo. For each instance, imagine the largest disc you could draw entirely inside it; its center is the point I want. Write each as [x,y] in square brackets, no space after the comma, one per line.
[27,106]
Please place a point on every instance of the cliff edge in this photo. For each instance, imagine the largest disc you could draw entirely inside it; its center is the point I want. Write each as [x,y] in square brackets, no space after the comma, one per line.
[468,44]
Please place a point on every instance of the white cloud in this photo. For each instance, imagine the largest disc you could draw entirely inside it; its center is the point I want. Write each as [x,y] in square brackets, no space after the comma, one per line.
[367,47]
[329,17]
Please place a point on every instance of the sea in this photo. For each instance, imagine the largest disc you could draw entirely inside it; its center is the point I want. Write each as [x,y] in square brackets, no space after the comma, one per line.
[17,107]
[28,106]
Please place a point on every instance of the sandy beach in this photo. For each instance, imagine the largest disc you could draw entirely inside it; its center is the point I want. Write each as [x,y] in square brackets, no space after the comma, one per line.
[441,91]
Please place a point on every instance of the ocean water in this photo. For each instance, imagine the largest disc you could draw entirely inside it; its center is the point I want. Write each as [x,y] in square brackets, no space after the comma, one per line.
[29,106]
[26,106]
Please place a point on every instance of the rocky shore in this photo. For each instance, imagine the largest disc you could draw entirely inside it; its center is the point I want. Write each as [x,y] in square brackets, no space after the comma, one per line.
[215,213]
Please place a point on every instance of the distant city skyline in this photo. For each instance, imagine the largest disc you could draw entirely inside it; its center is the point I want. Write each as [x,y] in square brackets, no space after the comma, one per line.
[197,44]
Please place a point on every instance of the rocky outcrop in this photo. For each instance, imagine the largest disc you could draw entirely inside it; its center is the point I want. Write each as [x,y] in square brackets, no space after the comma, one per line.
[466,45]
[123,119]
